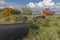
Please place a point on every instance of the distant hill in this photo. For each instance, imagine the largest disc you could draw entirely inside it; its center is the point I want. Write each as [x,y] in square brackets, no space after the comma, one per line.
[9,11]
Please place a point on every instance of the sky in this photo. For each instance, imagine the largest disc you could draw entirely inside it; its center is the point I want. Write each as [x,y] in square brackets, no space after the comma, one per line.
[25,2]
[30,3]
[34,4]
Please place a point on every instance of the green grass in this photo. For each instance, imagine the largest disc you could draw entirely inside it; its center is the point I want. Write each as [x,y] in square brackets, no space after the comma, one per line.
[49,27]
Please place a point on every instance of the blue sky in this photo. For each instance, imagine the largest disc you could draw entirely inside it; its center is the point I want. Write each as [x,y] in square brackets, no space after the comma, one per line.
[29,2]
[25,2]
[34,4]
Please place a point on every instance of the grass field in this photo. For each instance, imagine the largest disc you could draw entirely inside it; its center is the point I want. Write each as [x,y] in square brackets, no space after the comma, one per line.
[49,29]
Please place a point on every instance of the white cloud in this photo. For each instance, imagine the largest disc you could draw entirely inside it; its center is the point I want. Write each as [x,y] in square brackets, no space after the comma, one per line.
[38,7]
[44,3]
[31,4]
[47,1]
[40,4]
[2,2]
[14,6]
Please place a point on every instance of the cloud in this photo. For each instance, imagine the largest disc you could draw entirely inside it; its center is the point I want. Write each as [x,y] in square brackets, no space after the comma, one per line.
[31,4]
[38,7]
[4,3]
[17,6]
[44,3]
